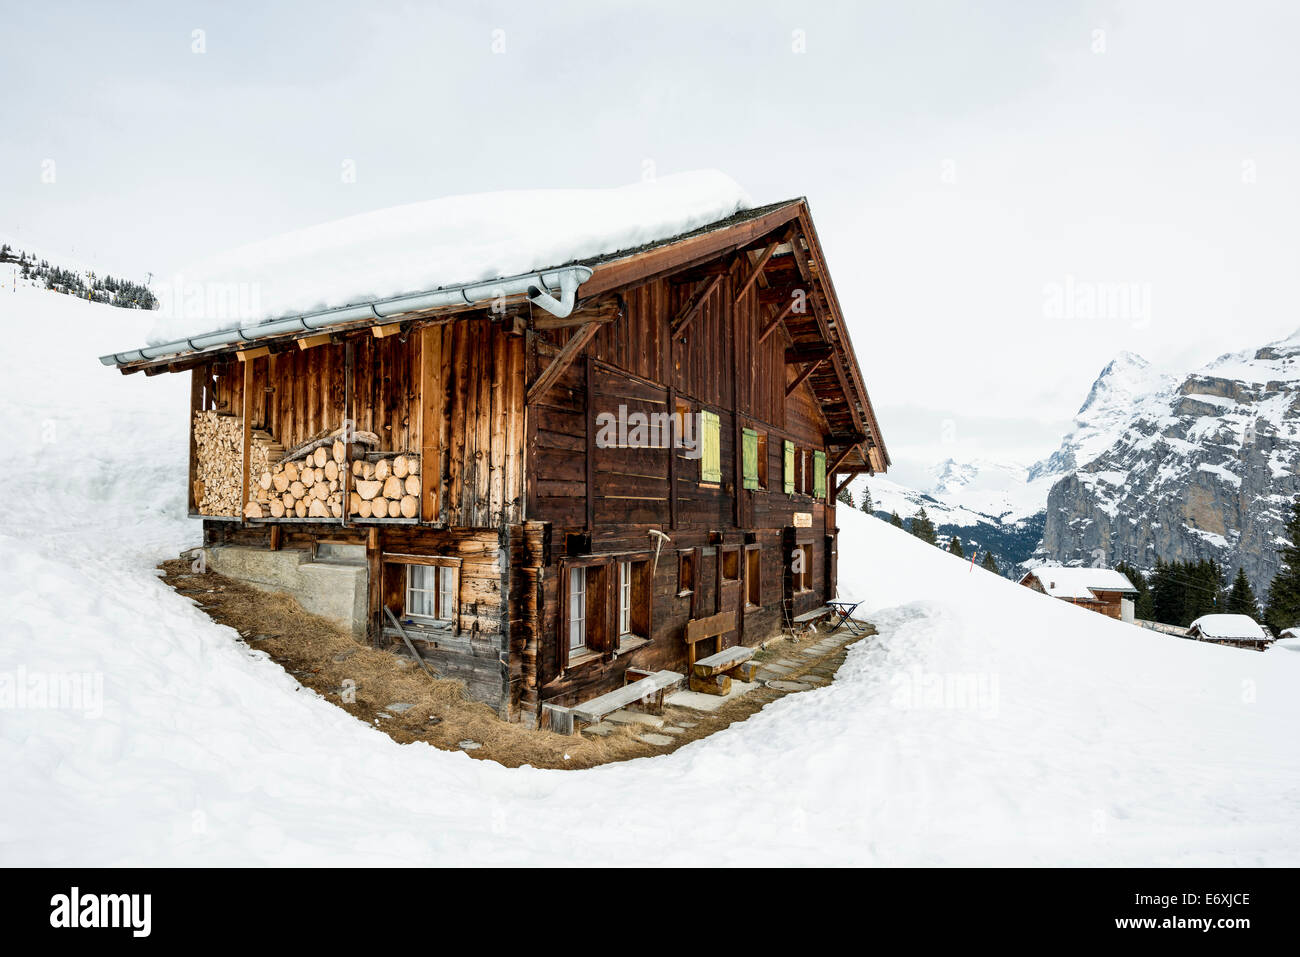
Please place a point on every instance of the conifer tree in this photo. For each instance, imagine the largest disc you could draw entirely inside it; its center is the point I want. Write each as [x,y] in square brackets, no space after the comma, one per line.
[895,520]
[989,563]
[845,497]
[867,505]
[1241,597]
[923,528]
[1283,609]
[955,548]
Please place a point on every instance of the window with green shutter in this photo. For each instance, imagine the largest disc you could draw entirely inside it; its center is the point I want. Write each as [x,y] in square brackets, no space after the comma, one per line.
[749,457]
[710,447]
[789,468]
[819,474]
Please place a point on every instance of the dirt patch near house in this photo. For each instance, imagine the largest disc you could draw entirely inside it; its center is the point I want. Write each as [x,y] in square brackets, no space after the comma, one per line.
[366,682]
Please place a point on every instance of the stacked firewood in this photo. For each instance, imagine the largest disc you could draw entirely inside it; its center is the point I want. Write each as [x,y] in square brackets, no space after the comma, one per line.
[309,488]
[219,462]
[388,487]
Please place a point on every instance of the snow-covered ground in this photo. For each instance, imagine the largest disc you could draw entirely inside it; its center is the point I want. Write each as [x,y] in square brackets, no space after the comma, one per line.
[986,724]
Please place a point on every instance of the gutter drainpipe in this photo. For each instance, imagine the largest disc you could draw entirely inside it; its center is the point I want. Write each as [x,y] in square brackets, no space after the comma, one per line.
[535,286]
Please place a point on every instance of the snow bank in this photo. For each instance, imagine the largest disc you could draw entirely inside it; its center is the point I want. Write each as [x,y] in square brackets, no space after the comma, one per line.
[986,724]
[427,245]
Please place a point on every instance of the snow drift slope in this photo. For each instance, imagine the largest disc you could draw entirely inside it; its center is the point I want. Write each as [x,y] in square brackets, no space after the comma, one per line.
[1092,742]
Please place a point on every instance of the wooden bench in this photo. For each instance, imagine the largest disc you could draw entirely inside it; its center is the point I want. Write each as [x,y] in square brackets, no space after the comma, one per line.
[712,675]
[801,624]
[643,689]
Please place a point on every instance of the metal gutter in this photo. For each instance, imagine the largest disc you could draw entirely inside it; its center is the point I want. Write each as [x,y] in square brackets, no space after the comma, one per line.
[535,285]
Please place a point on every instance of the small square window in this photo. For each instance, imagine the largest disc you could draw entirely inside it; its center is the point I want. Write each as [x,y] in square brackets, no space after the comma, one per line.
[685,572]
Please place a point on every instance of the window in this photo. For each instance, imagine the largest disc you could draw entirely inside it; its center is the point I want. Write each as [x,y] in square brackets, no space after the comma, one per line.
[577,609]
[788,462]
[606,607]
[801,568]
[624,598]
[799,471]
[819,474]
[754,458]
[685,572]
[633,602]
[730,564]
[431,592]
[749,458]
[753,576]
[710,447]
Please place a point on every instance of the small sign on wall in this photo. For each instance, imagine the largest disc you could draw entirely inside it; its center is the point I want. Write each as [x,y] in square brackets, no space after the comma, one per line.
[803,519]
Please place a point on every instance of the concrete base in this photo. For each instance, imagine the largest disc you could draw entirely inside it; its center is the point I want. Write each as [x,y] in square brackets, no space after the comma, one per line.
[333,590]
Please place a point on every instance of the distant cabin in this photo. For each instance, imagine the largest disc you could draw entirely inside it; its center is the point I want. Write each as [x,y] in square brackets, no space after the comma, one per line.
[1237,631]
[491,467]
[1102,590]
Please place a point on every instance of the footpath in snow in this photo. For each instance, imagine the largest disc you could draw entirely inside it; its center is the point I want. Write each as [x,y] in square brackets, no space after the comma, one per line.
[986,724]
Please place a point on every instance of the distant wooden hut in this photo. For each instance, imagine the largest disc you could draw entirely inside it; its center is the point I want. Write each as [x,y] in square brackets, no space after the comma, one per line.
[1102,590]
[1237,631]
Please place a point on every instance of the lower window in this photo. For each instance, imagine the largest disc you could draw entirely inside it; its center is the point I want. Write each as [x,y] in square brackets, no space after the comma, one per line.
[606,606]
[431,592]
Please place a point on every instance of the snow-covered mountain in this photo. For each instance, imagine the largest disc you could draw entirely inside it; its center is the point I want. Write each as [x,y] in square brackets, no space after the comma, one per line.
[1001,506]
[1116,397]
[1205,468]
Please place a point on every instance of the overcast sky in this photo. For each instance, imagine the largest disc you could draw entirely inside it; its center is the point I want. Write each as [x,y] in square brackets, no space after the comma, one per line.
[1008,196]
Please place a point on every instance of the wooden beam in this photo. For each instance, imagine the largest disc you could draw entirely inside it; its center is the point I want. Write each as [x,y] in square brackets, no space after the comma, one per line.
[661,259]
[691,308]
[759,265]
[802,377]
[839,460]
[563,359]
[384,331]
[250,354]
[780,318]
[841,486]
[590,464]
[349,415]
[672,459]
[431,411]
[247,414]
[311,342]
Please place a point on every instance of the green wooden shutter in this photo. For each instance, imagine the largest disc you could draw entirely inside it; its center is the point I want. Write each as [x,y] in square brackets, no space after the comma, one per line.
[711,438]
[749,458]
[789,468]
[819,474]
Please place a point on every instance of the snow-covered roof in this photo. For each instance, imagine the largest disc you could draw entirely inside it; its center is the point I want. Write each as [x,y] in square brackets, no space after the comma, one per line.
[1240,627]
[1062,582]
[432,245]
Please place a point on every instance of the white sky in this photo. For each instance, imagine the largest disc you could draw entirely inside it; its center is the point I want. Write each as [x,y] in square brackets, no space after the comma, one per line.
[960,163]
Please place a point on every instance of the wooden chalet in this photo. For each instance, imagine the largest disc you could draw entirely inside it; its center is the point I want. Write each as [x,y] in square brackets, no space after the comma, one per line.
[488,524]
[1102,590]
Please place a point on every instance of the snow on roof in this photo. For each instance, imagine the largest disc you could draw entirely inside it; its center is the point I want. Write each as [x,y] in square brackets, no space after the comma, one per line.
[433,244]
[1229,626]
[1062,582]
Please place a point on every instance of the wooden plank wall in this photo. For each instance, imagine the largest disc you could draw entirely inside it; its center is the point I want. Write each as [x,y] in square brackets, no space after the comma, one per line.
[631,364]
[475,420]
